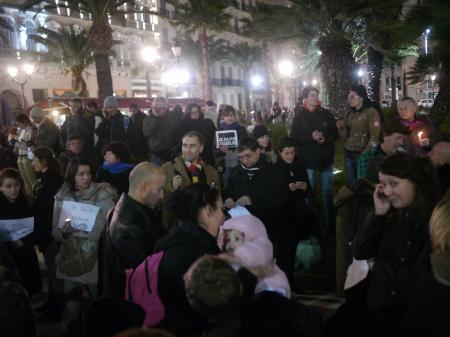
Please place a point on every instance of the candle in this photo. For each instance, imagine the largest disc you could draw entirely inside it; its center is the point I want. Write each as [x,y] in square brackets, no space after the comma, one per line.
[420,135]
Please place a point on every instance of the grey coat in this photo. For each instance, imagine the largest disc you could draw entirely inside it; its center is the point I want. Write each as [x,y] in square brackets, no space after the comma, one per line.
[99,194]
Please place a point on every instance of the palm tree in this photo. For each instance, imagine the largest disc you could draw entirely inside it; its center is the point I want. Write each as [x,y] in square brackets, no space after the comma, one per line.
[434,15]
[380,35]
[100,37]
[329,24]
[4,23]
[193,55]
[68,48]
[203,16]
[246,56]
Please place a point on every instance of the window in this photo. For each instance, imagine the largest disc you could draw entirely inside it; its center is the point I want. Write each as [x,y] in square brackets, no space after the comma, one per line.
[222,75]
[39,95]
[30,29]
[164,35]
[230,73]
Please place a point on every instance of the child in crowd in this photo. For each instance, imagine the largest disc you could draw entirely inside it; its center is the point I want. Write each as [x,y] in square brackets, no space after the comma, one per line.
[245,238]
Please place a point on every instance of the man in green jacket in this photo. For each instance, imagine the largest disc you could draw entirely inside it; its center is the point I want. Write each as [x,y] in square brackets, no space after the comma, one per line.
[188,169]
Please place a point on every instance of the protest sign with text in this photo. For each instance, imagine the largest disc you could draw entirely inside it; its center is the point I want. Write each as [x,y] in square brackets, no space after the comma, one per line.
[82,216]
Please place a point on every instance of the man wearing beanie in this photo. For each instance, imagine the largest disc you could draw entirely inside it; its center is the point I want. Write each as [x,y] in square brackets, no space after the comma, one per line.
[115,126]
[46,132]
[78,122]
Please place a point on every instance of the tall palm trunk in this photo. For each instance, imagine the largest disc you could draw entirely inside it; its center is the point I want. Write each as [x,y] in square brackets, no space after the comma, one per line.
[265,60]
[78,83]
[248,104]
[441,107]
[101,42]
[337,68]
[207,90]
[374,69]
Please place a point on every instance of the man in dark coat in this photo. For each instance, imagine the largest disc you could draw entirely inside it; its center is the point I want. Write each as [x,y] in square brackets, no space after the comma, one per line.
[138,145]
[133,229]
[115,126]
[78,122]
[256,185]
[46,133]
[314,129]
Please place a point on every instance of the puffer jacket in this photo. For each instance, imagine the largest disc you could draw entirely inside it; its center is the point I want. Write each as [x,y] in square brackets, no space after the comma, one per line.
[126,241]
[98,194]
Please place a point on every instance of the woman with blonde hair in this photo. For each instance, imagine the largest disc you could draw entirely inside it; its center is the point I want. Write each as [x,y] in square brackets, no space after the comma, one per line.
[428,295]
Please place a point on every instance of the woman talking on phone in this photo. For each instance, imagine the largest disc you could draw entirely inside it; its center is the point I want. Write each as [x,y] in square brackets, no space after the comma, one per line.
[394,235]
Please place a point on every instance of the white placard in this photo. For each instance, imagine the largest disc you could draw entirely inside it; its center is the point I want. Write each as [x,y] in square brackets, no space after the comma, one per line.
[238,211]
[227,137]
[82,216]
[16,229]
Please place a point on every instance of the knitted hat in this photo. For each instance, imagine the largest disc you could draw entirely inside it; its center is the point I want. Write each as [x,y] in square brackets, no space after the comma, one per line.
[259,131]
[37,112]
[110,102]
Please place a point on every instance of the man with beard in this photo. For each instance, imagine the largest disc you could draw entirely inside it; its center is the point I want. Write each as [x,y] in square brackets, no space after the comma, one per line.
[133,228]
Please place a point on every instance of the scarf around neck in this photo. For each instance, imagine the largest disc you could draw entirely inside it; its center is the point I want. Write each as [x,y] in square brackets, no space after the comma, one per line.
[440,265]
[251,171]
[227,127]
[116,167]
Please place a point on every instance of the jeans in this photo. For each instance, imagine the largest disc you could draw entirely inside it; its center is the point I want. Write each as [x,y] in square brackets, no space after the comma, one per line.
[326,191]
[351,165]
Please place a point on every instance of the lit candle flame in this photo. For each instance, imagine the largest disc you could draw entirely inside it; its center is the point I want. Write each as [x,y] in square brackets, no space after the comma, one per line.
[420,135]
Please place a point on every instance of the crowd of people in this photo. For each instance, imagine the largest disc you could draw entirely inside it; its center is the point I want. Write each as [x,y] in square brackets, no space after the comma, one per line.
[149,220]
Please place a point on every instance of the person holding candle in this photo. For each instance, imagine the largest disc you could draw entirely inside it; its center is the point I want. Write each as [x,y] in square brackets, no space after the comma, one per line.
[423,134]
[77,257]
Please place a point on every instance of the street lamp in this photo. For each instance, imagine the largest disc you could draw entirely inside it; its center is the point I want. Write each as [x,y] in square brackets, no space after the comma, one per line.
[14,71]
[433,78]
[175,77]
[286,68]
[314,82]
[149,55]
[360,76]
[427,32]
[257,81]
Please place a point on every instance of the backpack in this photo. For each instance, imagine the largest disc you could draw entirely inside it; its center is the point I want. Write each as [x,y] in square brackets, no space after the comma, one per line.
[141,287]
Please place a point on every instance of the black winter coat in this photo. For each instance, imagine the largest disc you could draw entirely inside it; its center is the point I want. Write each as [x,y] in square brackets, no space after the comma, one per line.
[45,189]
[181,248]
[80,124]
[427,303]
[315,156]
[126,241]
[203,126]
[116,128]
[120,181]
[395,241]
[266,191]
[138,142]
[25,256]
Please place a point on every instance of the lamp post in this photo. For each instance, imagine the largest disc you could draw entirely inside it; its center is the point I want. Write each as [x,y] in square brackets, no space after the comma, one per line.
[427,32]
[360,76]
[14,71]
[433,78]
[149,55]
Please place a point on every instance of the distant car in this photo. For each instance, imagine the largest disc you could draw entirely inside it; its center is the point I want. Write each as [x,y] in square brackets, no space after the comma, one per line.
[426,102]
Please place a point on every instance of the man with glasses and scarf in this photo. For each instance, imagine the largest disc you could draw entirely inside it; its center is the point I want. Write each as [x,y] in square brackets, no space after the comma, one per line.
[255,185]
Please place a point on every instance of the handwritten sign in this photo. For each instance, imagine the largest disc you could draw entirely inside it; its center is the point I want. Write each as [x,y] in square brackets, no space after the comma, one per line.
[82,216]
[227,137]
[16,229]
